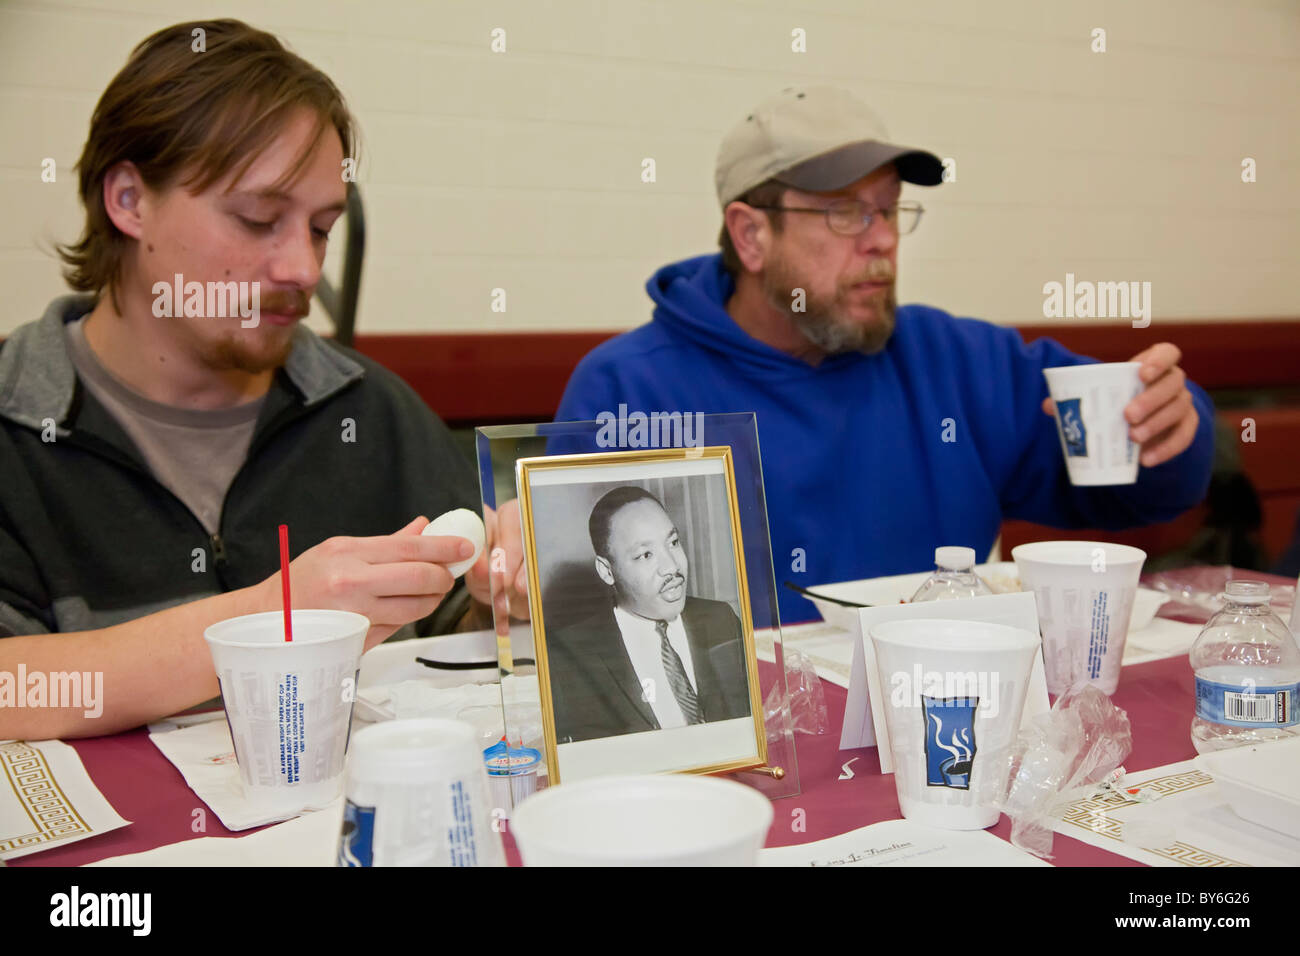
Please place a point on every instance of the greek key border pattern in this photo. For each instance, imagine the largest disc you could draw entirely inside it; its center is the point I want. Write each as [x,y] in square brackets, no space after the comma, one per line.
[1093,815]
[53,816]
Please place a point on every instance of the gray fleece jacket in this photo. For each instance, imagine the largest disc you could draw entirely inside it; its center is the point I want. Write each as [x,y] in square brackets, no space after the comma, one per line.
[88,537]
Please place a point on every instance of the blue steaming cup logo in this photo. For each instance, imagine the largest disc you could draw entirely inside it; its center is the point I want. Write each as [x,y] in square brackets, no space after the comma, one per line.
[1072,428]
[949,740]
[356,842]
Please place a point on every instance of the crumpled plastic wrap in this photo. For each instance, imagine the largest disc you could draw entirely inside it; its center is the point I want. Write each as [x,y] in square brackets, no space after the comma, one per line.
[1199,591]
[1059,759]
[804,697]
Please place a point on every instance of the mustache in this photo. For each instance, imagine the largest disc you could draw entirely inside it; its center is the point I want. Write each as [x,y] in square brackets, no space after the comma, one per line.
[878,270]
[296,302]
[672,583]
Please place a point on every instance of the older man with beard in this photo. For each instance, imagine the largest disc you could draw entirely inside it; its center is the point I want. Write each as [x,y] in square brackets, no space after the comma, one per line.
[885,431]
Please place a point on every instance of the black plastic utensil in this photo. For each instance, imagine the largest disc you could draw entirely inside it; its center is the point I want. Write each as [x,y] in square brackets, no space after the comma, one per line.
[468,665]
[824,597]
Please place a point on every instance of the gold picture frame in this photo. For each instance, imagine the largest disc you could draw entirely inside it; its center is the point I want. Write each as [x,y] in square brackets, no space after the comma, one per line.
[717,739]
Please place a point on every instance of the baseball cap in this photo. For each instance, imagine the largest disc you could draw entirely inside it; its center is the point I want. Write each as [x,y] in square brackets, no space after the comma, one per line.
[817,138]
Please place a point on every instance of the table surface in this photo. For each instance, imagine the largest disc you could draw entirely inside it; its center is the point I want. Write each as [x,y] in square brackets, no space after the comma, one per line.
[144,787]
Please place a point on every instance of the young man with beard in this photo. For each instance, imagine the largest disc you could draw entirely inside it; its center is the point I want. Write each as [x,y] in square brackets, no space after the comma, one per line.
[885,432]
[147,458]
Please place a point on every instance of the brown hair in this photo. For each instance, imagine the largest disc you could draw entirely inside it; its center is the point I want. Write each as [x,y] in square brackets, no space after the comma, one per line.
[176,111]
[768,193]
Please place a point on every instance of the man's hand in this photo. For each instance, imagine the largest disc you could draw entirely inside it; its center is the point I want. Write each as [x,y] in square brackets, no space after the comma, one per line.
[1162,419]
[391,579]
[499,578]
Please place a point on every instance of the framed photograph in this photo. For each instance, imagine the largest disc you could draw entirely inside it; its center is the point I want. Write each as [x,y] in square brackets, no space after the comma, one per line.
[641,622]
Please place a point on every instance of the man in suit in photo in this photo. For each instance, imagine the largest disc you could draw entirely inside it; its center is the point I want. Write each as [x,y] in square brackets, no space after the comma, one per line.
[655,657]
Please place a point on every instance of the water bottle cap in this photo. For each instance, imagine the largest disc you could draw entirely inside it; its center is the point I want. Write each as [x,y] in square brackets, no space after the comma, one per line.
[1246,592]
[954,558]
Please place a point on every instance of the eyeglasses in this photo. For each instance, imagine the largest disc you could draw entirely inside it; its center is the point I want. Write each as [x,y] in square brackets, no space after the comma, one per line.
[852,217]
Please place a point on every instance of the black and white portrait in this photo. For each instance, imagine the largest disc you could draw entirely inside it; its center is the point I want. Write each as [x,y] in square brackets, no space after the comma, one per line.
[642,617]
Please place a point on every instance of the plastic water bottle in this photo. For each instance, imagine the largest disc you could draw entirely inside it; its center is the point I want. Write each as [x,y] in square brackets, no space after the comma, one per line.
[954,577]
[1247,669]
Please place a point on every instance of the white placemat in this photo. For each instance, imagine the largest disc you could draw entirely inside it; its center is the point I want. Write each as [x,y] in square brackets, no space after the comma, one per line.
[1193,824]
[47,799]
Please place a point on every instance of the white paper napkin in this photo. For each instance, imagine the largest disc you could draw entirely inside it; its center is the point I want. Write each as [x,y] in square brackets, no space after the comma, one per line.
[205,757]
[47,799]
[310,840]
[1160,639]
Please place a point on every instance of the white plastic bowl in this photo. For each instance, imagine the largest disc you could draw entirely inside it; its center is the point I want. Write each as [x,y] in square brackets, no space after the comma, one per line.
[892,589]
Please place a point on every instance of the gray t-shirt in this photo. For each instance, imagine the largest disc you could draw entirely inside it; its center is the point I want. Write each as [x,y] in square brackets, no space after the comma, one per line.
[193,453]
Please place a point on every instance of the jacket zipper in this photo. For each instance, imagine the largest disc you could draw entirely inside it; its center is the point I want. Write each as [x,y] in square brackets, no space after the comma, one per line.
[215,541]
[218,550]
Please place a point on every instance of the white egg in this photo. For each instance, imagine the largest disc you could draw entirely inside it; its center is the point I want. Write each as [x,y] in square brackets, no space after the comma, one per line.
[461,523]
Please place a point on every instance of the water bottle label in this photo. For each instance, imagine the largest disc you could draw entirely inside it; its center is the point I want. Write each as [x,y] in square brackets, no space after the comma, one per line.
[1245,704]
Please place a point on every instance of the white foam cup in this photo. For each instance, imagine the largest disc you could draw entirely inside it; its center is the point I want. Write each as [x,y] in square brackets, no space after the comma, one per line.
[1084,591]
[954,694]
[417,795]
[1090,401]
[667,820]
[289,704]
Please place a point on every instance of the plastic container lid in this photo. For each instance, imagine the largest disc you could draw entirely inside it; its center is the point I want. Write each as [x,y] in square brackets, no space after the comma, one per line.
[502,761]
[1261,782]
[954,558]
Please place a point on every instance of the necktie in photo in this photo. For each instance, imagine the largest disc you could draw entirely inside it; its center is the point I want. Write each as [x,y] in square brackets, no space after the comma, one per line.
[677,679]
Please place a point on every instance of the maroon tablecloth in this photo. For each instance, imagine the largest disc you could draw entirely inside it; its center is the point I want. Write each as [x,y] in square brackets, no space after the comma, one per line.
[146,789]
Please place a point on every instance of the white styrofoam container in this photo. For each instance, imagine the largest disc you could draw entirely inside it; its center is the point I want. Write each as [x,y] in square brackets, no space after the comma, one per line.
[1261,782]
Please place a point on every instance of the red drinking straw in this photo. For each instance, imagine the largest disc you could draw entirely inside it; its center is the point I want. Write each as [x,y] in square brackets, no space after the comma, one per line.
[284,580]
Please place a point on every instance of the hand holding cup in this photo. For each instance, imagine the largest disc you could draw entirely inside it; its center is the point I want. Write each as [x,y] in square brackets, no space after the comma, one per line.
[1162,417]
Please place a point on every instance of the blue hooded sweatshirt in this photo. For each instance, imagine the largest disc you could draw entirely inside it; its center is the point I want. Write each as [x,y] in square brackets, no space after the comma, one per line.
[870,462]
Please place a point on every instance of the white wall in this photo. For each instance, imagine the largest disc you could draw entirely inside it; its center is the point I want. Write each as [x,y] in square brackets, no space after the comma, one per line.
[521,170]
